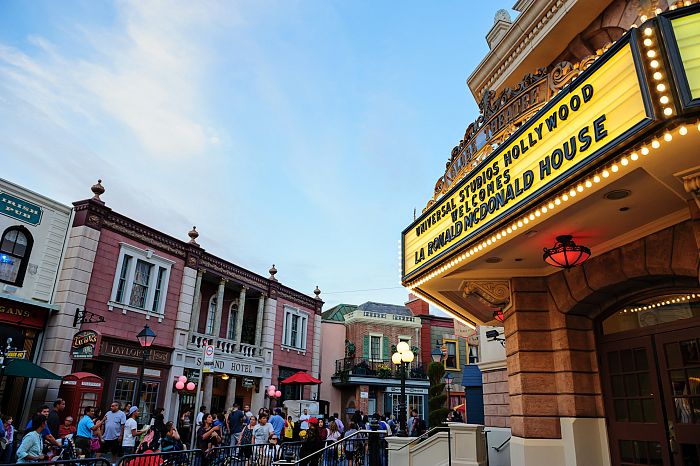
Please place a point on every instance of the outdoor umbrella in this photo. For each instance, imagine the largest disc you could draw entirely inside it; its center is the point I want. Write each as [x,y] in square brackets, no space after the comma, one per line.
[461,407]
[301,378]
[24,368]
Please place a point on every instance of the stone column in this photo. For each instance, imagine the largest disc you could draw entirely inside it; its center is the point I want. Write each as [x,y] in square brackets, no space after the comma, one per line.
[268,343]
[208,390]
[219,308]
[71,293]
[239,314]
[316,355]
[197,302]
[231,393]
[259,322]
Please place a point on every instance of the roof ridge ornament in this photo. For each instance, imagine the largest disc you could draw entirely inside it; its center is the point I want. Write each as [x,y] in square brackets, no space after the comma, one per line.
[97,189]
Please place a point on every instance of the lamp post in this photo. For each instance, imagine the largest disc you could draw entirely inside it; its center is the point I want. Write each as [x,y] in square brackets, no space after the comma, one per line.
[403,357]
[145,337]
[436,353]
[448,386]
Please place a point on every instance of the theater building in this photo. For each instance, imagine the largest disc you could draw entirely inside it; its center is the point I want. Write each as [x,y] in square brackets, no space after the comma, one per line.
[571,210]
[120,276]
[33,232]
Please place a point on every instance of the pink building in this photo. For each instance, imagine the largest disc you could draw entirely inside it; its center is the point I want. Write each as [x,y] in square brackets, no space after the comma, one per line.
[129,275]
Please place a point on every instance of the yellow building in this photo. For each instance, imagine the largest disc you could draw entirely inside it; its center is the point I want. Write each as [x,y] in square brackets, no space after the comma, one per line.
[570,211]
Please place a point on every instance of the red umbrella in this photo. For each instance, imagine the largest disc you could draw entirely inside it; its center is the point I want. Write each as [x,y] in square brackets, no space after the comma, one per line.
[301,378]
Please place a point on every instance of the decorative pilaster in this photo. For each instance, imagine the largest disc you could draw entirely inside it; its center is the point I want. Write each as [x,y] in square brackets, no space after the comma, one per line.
[208,390]
[219,308]
[259,322]
[197,302]
[231,393]
[316,357]
[239,314]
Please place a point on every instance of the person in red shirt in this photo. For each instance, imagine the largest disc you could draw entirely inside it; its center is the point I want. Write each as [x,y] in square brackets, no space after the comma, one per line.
[67,428]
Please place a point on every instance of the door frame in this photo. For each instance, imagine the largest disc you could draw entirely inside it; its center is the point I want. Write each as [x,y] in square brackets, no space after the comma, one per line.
[651,334]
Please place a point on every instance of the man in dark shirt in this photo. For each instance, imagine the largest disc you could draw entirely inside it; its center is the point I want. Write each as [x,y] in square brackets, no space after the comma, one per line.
[54,420]
[235,424]
[46,432]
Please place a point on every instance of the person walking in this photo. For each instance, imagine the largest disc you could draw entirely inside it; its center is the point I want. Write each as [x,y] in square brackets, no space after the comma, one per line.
[8,439]
[341,426]
[54,419]
[353,445]
[130,432]
[234,422]
[46,432]
[245,439]
[200,416]
[87,431]
[418,427]
[113,435]
[277,422]
[331,456]
[186,425]
[31,448]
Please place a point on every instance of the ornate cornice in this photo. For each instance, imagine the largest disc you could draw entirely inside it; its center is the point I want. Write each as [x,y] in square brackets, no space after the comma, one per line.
[94,214]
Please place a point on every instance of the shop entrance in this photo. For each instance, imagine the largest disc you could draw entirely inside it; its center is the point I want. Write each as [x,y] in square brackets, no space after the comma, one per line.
[650,372]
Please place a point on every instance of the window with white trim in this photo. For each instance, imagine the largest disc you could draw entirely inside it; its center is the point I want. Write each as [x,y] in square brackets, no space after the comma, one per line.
[211,316]
[141,281]
[294,329]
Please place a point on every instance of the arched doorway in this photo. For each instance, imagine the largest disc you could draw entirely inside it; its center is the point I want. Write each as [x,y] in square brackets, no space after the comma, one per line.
[649,355]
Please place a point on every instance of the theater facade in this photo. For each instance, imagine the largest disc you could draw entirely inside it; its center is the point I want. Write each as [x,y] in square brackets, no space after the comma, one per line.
[570,212]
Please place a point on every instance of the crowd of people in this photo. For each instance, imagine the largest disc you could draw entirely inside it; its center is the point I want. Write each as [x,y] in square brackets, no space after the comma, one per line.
[116,433]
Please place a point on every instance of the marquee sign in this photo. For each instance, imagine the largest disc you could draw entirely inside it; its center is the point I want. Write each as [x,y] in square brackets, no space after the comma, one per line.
[605,105]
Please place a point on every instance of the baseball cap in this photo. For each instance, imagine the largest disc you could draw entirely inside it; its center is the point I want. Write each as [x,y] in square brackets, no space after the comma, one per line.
[313,420]
[133,409]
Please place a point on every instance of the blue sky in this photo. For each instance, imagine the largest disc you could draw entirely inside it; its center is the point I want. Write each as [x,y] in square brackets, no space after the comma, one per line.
[296,133]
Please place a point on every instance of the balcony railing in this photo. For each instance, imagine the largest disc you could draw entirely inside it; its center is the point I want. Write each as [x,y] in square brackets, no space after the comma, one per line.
[385,369]
[224,345]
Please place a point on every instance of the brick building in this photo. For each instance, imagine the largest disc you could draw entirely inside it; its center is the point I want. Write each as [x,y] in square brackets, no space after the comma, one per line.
[581,237]
[362,374]
[122,275]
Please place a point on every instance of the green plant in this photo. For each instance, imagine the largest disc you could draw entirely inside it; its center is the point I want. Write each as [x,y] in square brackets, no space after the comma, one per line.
[437,412]
[383,371]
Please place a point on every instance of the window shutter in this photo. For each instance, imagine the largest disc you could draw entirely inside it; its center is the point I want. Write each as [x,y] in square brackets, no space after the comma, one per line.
[385,351]
[365,347]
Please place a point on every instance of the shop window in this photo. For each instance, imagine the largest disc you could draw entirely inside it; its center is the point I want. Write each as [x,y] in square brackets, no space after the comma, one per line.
[124,391]
[294,329]
[141,281]
[289,391]
[452,359]
[415,402]
[232,316]
[211,316]
[15,249]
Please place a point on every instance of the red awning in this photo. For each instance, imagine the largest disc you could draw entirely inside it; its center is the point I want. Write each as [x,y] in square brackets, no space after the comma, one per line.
[301,378]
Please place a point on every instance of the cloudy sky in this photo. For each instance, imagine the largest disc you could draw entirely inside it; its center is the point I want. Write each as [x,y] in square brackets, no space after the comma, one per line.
[300,133]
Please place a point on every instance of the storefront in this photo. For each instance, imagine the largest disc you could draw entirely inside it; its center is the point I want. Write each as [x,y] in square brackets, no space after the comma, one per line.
[575,221]
[119,364]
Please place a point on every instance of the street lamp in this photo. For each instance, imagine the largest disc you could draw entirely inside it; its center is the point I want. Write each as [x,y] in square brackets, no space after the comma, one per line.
[436,353]
[448,386]
[403,357]
[145,337]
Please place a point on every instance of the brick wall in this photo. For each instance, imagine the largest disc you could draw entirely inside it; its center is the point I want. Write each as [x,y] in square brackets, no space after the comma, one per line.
[496,398]
[117,324]
[550,342]
[292,358]
[356,332]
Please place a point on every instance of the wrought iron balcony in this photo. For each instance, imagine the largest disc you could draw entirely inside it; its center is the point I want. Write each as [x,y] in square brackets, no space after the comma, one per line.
[363,367]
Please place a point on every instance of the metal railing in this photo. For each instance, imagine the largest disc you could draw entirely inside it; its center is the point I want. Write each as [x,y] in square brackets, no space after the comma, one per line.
[168,458]
[376,368]
[73,462]
[361,448]
[429,433]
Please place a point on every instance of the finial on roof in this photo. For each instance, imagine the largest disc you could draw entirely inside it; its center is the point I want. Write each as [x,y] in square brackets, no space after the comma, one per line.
[317,292]
[502,15]
[97,190]
[273,271]
[193,234]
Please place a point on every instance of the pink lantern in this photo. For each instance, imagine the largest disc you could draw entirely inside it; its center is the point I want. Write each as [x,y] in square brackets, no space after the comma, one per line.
[182,379]
[278,394]
[190,386]
[179,385]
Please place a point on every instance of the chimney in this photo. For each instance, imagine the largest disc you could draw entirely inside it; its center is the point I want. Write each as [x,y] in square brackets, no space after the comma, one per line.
[417,306]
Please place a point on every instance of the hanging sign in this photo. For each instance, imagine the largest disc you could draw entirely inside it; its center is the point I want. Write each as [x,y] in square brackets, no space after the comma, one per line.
[602,107]
[208,359]
[84,345]
[19,209]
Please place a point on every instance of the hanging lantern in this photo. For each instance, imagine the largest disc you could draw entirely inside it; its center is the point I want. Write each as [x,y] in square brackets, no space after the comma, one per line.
[566,254]
[499,316]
